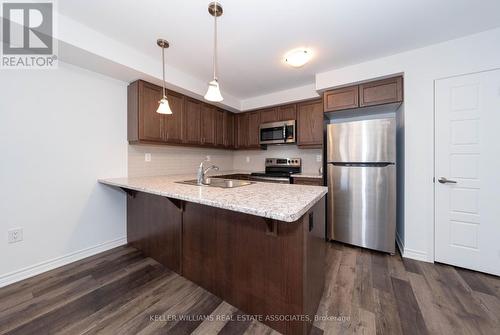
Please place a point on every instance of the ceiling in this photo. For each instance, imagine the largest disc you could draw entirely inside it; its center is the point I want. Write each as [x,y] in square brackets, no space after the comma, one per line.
[255,34]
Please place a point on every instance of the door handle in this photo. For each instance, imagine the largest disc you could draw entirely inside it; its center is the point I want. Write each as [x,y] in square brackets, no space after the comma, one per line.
[443,180]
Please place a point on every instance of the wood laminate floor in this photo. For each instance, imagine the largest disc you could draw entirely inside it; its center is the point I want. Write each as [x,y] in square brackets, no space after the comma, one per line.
[122,292]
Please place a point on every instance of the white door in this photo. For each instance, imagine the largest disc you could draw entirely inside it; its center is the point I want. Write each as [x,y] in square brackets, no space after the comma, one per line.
[467,171]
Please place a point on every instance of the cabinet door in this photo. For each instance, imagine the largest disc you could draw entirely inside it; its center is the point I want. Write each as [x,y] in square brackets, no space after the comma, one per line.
[342,98]
[310,124]
[381,92]
[150,122]
[192,121]
[253,129]
[269,115]
[208,124]
[242,130]
[220,131]
[287,112]
[173,122]
[229,130]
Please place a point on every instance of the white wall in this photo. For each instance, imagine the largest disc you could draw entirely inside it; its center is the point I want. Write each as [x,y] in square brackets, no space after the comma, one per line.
[60,130]
[275,98]
[421,68]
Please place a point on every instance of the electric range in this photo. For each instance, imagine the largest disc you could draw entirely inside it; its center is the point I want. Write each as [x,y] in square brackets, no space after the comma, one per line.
[279,170]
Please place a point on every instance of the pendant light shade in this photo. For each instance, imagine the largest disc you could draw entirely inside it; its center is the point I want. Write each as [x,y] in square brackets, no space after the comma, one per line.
[163,107]
[213,92]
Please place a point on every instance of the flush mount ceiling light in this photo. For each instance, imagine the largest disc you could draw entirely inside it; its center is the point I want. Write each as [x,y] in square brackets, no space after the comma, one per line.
[163,107]
[298,57]
[213,92]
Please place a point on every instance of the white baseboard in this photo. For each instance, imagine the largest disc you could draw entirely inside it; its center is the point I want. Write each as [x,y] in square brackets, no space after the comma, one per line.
[411,253]
[417,255]
[33,270]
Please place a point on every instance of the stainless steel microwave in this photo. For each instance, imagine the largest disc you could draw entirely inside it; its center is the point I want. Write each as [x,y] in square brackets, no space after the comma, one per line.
[277,132]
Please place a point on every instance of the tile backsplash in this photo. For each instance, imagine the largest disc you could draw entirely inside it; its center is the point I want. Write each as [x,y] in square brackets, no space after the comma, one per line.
[256,158]
[168,160]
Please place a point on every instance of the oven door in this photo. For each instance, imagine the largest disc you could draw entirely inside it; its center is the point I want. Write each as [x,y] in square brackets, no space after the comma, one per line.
[277,132]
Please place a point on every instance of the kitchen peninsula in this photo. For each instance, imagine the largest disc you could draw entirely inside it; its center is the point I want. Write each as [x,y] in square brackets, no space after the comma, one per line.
[260,247]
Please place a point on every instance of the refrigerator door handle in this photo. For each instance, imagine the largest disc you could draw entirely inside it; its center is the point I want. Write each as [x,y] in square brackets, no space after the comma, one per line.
[366,164]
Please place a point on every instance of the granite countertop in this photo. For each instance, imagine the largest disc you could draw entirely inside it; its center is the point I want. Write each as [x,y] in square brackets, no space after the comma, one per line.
[308,175]
[283,202]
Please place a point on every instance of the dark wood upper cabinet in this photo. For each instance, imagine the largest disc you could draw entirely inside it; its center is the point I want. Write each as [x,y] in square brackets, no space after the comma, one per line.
[219,127]
[280,113]
[342,98]
[310,124]
[241,127]
[208,124]
[253,130]
[381,92]
[287,112]
[192,121]
[144,124]
[173,122]
[229,128]
[269,115]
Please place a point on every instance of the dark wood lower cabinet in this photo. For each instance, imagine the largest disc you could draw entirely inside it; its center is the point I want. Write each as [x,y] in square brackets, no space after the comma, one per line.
[264,267]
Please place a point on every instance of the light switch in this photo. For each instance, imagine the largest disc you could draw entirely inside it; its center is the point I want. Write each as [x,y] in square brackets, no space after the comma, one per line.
[248,159]
[147,157]
[208,158]
[319,158]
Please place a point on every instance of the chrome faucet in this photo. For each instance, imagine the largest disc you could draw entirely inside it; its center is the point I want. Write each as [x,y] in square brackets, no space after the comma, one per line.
[201,179]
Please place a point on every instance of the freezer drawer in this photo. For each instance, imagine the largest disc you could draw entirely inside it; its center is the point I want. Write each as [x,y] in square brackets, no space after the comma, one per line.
[362,206]
[362,141]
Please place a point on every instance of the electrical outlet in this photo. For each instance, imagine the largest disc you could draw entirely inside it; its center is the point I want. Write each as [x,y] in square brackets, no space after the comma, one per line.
[208,158]
[248,159]
[15,235]
[147,157]
[319,158]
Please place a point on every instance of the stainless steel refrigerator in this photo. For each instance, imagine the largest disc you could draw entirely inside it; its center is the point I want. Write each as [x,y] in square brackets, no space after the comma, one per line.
[361,163]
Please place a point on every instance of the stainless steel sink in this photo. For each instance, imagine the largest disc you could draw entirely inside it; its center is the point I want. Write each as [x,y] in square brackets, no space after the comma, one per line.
[218,182]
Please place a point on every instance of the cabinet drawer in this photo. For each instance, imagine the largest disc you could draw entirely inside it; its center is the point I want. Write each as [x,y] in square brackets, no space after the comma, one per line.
[381,92]
[308,181]
[342,98]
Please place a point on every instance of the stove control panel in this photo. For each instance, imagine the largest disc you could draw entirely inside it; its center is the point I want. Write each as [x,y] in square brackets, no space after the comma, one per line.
[295,162]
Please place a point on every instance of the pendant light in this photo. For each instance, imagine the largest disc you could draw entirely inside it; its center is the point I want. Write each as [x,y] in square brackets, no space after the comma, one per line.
[213,92]
[164,107]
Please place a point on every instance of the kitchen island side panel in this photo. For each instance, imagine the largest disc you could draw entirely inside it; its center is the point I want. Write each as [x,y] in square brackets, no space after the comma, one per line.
[263,267]
[154,226]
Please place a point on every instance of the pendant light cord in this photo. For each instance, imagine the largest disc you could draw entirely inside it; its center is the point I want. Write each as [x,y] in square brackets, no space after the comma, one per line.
[163,68]
[215,41]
